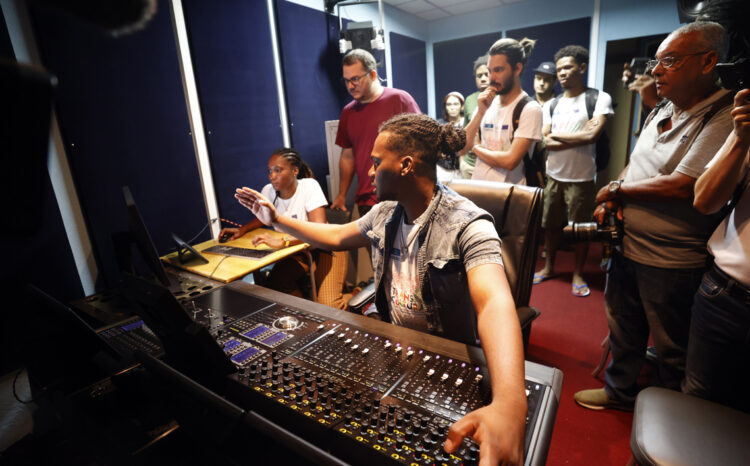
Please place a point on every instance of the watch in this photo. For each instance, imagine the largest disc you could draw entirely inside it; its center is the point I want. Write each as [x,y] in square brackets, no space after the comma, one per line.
[614,187]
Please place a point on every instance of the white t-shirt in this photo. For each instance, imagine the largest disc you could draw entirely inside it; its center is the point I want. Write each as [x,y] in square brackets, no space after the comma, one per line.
[306,198]
[730,243]
[577,163]
[496,132]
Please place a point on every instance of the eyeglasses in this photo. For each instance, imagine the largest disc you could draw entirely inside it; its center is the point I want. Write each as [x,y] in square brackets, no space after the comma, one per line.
[355,80]
[671,61]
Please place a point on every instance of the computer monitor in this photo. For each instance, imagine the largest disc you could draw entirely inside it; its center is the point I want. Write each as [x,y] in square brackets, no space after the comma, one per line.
[140,235]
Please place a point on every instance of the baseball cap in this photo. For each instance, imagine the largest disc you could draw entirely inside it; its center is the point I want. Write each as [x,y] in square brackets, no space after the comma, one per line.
[546,67]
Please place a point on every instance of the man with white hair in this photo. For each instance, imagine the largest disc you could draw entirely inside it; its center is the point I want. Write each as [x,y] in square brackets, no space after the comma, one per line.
[651,282]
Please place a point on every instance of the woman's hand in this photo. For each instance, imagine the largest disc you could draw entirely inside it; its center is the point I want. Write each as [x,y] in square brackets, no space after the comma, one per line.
[274,242]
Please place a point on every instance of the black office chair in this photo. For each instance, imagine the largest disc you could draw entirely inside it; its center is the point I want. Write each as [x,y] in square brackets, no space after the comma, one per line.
[671,428]
[517,211]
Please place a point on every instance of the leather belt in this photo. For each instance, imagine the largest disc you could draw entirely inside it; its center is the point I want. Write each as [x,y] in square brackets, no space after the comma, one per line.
[730,285]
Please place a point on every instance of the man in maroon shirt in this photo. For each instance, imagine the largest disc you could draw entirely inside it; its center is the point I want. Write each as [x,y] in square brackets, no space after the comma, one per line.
[358,126]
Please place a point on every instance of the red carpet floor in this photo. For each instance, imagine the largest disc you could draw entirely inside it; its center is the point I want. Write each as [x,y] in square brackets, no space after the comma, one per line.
[567,336]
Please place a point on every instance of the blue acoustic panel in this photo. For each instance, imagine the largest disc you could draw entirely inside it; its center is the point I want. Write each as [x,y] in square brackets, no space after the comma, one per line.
[454,65]
[122,114]
[233,63]
[549,39]
[312,78]
[409,67]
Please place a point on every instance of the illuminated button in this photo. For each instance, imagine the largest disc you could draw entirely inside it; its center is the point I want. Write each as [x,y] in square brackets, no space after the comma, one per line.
[430,372]
[387,344]
[458,382]
[444,377]
[426,358]
[399,348]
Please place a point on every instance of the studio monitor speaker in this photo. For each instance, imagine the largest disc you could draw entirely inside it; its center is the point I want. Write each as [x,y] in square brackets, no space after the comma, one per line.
[688,10]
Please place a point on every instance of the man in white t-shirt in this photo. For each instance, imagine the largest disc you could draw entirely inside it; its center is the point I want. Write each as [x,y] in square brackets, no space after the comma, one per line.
[718,351]
[570,137]
[498,142]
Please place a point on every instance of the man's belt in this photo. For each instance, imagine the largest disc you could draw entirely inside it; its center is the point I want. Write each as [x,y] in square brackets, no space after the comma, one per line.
[730,285]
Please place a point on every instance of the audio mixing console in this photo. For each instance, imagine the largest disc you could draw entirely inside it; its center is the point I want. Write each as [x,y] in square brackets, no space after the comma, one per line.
[367,396]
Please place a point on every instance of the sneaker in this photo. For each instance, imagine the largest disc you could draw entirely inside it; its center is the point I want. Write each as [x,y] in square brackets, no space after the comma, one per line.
[598,399]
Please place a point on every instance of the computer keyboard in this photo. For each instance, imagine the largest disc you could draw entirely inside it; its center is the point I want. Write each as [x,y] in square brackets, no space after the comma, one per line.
[239,252]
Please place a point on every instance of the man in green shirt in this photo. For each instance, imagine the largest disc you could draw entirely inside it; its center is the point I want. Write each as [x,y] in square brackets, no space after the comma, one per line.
[482,77]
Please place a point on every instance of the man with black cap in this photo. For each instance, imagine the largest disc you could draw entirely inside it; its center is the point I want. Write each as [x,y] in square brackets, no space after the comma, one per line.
[545,78]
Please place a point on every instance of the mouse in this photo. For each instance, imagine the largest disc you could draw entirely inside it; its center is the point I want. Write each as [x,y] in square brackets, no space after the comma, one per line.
[225,237]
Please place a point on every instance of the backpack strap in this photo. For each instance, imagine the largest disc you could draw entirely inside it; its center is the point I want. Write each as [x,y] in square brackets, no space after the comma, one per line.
[552,105]
[517,114]
[592,95]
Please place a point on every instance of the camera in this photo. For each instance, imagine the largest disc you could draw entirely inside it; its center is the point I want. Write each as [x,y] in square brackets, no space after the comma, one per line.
[735,76]
[609,233]
[637,66]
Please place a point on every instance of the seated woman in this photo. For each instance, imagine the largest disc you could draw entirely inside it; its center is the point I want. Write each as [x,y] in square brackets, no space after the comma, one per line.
[294,191]
[453,112]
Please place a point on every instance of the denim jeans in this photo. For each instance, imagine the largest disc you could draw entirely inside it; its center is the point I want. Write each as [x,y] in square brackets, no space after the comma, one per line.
[718,357]
[638,299]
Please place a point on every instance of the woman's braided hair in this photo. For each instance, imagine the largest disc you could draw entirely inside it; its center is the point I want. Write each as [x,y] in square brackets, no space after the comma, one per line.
[295,160]
[420,135]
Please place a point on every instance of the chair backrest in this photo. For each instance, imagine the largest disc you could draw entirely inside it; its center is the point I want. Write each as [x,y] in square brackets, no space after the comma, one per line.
[517,211]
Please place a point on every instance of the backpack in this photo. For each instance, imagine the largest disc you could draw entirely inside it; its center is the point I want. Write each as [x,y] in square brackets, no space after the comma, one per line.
[535,167]
[602,143]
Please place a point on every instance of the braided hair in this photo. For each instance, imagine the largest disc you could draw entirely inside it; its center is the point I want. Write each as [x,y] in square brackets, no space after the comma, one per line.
[295,160]
[417,134]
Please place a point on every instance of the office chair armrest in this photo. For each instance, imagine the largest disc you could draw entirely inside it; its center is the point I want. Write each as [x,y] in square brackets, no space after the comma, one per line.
[360,300]
[526,315]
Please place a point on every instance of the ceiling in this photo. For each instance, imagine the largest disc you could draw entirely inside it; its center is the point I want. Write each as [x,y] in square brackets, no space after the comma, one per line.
[436,9]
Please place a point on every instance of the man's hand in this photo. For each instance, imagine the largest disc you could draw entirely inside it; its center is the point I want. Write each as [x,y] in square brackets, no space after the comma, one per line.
[644,84]
[339,203]
[261,207]
[273,242]
[604,194]
[498,429]
[741,116]
[602,209]
[485,98]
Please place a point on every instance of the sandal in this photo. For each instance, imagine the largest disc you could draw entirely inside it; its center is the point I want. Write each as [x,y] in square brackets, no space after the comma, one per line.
[581,290]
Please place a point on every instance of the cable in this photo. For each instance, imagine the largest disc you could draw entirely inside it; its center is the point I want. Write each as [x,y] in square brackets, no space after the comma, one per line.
[211,276]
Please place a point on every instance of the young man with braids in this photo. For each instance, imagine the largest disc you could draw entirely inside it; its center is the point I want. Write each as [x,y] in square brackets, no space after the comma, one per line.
[500,143]
[436,257]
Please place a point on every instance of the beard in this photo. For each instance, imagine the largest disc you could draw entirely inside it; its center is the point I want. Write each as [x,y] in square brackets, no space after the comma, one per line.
[506,86]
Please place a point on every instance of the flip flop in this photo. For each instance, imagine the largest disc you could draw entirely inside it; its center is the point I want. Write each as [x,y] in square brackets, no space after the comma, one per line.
[539,278]
[581,291]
